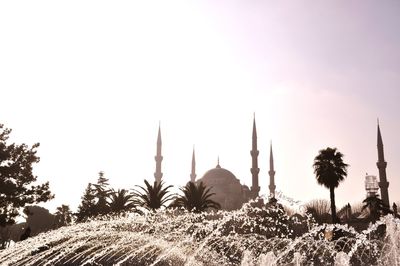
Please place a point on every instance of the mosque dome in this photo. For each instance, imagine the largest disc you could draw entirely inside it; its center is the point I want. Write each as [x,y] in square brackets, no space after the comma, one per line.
[227,188]
[219,175]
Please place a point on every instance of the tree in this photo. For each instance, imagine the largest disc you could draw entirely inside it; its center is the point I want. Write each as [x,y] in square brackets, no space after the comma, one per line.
[356,208]
[102,193]
[17,187]
[63,216]
[376,207]
[330,170]
[321,206]
[38,219]
[196,198]
[152,197]
[87,207]
[94,201]
[319,209]
[345,212]
[121,201]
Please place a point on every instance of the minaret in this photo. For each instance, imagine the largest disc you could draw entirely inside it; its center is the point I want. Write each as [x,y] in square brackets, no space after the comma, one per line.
[271,174]
[254,166]
[193,173]
[158,175]
[383,183]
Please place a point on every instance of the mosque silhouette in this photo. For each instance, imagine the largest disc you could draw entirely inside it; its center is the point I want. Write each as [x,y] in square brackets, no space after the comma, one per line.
[231,194]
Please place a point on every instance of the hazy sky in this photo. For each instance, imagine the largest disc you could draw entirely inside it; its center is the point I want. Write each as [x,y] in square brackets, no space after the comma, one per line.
[90,81]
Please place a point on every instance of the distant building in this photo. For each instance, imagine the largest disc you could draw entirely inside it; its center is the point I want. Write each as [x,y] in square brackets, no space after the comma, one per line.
[227,188]
[229,192]
[371,186]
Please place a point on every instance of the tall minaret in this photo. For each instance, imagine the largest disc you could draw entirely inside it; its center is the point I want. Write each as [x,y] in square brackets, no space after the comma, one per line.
[383,183]
[158,175]
[254,166]
[271,174]
[193,173]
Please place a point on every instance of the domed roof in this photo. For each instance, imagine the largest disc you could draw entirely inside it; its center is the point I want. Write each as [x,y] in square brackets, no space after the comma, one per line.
[219,175]
[227,188]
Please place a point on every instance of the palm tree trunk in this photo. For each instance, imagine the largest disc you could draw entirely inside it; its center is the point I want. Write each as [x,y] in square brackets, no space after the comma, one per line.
[333,206]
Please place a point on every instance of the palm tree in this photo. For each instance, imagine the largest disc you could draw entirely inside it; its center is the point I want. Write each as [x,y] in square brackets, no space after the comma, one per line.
[152,197]
[196,198]
[121,201]
[376,207]
[330,170]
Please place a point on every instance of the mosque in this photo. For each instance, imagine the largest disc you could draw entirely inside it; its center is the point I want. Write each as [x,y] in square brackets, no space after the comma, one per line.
[229,192]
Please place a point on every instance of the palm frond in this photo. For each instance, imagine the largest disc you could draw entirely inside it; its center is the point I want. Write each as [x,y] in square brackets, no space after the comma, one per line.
[152,197]
[196,197]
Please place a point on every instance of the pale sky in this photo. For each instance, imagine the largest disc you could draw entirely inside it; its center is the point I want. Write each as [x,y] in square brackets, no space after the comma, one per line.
[90,81]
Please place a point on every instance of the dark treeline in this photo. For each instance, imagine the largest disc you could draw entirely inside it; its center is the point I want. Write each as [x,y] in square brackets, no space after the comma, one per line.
[19,191]
[99,199]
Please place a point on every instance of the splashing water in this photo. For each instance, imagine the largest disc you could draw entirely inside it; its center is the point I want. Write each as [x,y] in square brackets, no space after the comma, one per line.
[250,236]
[342,259]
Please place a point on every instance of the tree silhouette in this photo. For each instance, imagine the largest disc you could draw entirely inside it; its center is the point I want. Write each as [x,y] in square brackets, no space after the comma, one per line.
[63,216]
[102,194]
[196,198]
[87,208]
[121,201]
[152,197]
[39,219]
[320,210]
[16,178]
[321,206]
[330,170]
[94,201]
[376,207]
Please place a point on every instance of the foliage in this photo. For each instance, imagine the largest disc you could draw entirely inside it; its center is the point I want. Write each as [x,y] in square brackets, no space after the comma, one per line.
[320,206]
[121,202]
[102,194]
[87,207]
[345,213]
[196,198]
[395,209]
[356,208]
[63,216]
[94,200]
[330,170]
[320,210]
[152,197]
[376,208]
[38,219]
[17,187]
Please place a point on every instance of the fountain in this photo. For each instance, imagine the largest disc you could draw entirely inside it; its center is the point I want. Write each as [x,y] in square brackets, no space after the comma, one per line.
[248,236]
